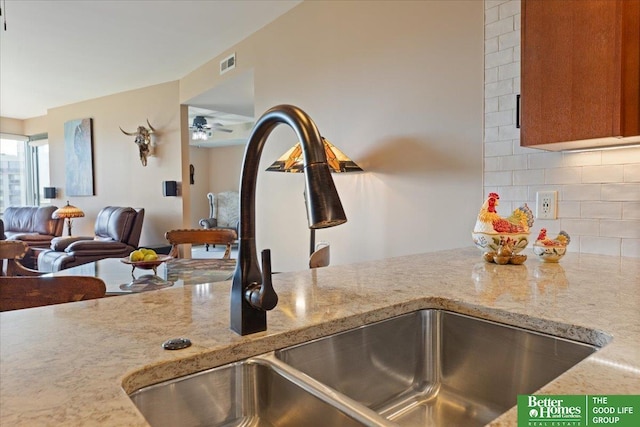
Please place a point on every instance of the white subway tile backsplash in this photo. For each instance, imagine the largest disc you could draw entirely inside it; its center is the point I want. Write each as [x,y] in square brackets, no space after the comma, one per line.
[598,192]
[509,71]
[622,191]
[491,164]
[630,210]
[515,193]
[597,209]
[502,26]
[528,177]
[581,227]
[533,189]
[609,173]
[621,156]
[588,158]
[582,192]
[569,209]
[514,162]
[490,134]
[488,4]
[498,118]
[631,248]
[627,229]
[499,148]
[516,80]
[552,226]
[498,58]
[491,15]
[508,132]
[600,245]
[563,176]
[491,105]
[501,87]
[490,76]
[507,102]
[511,8]
[509,40]
[544,160]
[632,173]
[498,178]
[491,45]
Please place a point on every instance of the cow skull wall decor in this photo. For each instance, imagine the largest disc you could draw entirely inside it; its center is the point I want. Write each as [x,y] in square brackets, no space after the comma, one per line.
[143,141]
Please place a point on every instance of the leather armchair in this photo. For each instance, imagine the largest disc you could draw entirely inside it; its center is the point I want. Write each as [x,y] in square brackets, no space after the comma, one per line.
[117,233]
[32,225]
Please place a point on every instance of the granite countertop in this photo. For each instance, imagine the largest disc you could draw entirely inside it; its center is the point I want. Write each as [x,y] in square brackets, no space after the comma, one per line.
[73,364]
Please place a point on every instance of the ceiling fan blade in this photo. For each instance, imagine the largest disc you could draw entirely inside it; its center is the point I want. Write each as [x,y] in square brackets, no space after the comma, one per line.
[220,127]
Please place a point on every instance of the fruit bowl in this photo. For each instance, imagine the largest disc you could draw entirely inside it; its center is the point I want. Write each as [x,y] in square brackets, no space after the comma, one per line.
[146,265]
[490,242]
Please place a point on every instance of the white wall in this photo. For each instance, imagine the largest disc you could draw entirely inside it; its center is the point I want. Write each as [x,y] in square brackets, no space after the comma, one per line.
[599,192]
[398,87]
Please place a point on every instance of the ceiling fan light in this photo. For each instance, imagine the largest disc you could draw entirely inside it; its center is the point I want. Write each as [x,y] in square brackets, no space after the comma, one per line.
[199,122]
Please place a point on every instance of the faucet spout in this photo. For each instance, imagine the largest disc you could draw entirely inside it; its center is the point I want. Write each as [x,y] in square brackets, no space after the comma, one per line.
[251,293]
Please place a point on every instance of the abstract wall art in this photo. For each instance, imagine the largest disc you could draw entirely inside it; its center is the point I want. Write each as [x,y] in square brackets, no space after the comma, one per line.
[78,153]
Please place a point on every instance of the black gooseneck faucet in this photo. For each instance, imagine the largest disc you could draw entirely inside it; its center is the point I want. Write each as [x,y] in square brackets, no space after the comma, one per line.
[252,293]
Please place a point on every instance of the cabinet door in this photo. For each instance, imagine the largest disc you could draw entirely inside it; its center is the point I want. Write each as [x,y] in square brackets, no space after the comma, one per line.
[580,70]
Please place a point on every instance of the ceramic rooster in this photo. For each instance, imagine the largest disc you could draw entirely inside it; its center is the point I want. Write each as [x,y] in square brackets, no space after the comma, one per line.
[489,221]
[562,239]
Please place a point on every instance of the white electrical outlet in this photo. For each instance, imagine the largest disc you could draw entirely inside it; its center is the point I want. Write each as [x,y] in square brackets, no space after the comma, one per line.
[546,204]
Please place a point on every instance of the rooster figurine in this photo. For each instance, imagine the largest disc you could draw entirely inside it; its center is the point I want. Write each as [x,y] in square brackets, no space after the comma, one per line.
[551,250]
[562,239]
[489,221]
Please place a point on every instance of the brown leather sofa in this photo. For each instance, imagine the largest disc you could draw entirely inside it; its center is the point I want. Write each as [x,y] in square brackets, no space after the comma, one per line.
[32,225]
[117,233]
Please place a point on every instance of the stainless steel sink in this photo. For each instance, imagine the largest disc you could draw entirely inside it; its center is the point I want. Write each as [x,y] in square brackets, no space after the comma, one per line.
[427,368]
[249,393]
[435,367]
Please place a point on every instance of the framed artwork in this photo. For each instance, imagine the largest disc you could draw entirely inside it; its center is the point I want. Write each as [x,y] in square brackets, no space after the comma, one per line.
[78,154]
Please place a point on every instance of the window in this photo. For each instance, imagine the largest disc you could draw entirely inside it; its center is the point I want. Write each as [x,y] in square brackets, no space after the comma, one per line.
[24,170]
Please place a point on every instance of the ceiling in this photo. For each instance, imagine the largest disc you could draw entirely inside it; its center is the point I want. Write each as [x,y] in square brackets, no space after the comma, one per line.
[55,53]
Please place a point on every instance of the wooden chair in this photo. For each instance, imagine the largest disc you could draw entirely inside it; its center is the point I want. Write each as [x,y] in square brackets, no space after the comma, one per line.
[27,292]
[13,251]
[215,236]
[321,257]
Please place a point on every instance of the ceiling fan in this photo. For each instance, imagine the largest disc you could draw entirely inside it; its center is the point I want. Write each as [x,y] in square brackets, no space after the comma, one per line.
[200,127]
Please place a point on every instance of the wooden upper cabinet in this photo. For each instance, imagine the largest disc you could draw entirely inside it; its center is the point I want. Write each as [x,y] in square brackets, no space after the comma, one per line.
[580,76]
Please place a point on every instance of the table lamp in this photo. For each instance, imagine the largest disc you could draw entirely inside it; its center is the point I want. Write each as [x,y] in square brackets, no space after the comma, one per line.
[291,161]
[68,212]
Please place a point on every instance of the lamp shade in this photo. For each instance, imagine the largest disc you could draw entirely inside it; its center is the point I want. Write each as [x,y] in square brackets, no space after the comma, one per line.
[291,161]
[68,211]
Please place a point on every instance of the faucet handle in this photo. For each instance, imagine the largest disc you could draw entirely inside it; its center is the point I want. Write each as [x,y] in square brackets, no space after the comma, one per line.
[263,296]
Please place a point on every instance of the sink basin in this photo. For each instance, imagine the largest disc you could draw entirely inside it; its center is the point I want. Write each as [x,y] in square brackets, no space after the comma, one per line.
[434,367]
[249,393]
[430,367]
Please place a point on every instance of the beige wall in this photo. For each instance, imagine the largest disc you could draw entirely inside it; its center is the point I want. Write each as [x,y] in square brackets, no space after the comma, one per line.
[119,177]
[11,126]
[398,87]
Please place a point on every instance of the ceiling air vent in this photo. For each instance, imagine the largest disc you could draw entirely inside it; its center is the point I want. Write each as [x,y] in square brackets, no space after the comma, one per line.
[228,63]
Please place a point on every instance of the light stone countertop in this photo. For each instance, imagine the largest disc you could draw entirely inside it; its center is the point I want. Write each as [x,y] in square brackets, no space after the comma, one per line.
[73,364]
